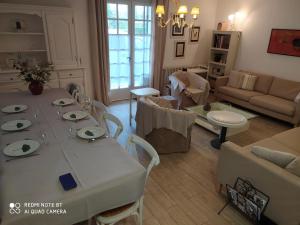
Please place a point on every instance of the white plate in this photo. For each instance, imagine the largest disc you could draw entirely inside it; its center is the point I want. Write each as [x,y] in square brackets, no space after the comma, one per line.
[63,101]
[15,149]
[14,108]
[96,132]
[75,115]
[13,125]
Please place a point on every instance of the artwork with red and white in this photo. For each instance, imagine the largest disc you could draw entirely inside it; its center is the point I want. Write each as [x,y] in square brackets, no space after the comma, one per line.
[285,42]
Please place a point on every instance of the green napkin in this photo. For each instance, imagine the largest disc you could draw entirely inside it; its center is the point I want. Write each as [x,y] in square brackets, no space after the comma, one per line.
[89,133]
[73,116]
[62,102]
[25,148]
[19,125]
[17,108]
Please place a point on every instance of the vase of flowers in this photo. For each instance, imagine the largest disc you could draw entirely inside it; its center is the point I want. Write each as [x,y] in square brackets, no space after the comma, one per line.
[36,76]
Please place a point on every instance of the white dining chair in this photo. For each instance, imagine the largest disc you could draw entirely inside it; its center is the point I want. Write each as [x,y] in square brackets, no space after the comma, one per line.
[106,117]
[100,111]
[134,209]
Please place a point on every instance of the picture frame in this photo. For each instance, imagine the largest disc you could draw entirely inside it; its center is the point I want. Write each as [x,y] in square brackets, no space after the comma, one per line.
[179,49]
[194,34]
[177,31]
[284,42]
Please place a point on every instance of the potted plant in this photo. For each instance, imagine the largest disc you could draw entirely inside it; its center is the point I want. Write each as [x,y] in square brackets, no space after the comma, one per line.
[36,76]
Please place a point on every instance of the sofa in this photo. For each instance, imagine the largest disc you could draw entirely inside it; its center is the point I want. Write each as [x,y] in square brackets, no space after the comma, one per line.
[167,129]
[272,96]
[282,186]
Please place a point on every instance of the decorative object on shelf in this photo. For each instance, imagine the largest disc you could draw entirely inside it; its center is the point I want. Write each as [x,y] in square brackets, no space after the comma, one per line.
[207,107]
[178,18]
[11,62]
[285,42]
[19,25]
[194,34]
[179,48]
[249,200]
[36,76]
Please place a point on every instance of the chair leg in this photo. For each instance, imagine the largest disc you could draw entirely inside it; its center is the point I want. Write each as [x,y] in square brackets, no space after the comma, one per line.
[220,188]
[141,211]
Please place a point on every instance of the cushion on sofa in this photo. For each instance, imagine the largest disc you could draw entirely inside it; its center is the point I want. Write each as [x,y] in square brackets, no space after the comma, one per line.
[235,79]
[286,89]
[275,104]
[262,83]
[294,167]
[248,82]
[279,158]
[244,95]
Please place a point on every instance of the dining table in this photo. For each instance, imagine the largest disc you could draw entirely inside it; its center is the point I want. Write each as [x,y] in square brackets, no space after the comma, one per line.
[30,191]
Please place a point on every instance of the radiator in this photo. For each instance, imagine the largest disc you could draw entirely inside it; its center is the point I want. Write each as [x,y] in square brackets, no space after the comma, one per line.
[168,71]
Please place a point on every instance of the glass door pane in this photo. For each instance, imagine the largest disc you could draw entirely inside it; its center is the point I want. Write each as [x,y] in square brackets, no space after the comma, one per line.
[142,45]
[119,45]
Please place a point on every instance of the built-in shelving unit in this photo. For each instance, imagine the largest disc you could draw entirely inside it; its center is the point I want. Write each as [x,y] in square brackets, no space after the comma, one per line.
[223,53]
[22,39]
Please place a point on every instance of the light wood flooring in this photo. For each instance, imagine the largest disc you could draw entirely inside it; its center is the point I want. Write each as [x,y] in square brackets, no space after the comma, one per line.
[182,189]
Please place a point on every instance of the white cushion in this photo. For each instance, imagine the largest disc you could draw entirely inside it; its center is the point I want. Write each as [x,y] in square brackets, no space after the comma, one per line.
[279,158]
[297,99]
[248,82]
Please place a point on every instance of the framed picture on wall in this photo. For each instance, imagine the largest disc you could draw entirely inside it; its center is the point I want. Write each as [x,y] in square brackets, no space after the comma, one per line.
[194,34]
[177,31]
[285,42]
[179,49]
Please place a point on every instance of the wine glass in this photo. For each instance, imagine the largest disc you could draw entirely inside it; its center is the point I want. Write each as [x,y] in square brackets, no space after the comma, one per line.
[44,137]
[59,112]
[72,131]
[36,115]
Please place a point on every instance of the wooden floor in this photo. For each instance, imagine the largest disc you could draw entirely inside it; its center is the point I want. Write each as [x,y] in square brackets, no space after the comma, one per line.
[182,189]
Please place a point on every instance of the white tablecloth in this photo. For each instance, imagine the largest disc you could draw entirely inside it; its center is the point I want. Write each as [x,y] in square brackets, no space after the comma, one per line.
[106,175]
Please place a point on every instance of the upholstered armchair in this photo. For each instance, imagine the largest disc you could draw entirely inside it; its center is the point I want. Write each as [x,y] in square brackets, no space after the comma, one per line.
[189,88]
[167,129]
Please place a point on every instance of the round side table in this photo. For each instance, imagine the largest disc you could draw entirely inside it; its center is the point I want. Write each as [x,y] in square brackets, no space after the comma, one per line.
[225,119]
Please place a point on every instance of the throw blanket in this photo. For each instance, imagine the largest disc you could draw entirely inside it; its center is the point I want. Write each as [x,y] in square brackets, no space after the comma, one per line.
[150,116]
[197,87]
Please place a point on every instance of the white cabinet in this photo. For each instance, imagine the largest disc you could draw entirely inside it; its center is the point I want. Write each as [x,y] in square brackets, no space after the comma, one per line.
[62,38]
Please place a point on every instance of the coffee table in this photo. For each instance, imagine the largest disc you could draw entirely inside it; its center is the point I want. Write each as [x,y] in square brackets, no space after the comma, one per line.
[225,119]
[141,92]
[202,121]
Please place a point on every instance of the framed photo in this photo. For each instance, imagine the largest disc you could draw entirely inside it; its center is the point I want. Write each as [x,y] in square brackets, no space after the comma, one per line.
[179,49]
[176,30]
[285,42]
[194,34]
[251,209]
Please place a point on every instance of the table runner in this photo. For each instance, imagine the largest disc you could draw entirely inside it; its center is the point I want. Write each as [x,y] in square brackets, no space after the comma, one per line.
[106,175]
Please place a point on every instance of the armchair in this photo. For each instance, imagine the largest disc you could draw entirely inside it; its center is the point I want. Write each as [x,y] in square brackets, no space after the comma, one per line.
[168,130]
[189,88]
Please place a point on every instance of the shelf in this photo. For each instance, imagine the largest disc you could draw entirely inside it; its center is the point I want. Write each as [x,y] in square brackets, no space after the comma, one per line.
[214,76]
[23,51]
[220,49]
[217,63]
[20,33]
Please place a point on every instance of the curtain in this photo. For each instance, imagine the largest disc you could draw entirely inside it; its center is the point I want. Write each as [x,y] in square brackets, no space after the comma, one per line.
[158,49]
[100,49]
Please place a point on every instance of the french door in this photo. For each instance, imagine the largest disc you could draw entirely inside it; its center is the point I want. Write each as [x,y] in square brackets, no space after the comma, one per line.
[129,31]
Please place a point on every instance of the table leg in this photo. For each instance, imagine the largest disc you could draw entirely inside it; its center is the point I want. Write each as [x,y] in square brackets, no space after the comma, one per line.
[216,143]
[130,102]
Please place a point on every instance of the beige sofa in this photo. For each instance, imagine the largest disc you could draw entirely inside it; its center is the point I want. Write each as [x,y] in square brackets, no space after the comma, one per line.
[271,96]
[282,186]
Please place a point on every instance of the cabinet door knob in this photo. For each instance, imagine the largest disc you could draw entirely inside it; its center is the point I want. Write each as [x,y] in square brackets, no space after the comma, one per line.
[11,78]
[71,74]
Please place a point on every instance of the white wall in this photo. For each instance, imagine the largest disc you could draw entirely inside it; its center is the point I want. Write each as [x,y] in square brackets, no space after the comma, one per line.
[261,17]
[80,8]
[195,53]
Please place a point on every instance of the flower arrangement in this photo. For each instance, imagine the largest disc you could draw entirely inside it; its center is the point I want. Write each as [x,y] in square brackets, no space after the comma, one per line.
[38,73]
